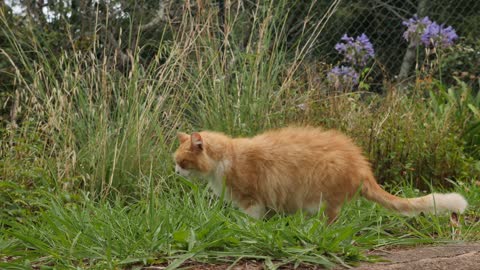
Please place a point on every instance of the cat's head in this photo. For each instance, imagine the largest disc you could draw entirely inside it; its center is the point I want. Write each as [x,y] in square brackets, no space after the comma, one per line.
[191,156]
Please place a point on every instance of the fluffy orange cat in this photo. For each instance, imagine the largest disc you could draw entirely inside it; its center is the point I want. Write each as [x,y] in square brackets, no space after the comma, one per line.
[292,169]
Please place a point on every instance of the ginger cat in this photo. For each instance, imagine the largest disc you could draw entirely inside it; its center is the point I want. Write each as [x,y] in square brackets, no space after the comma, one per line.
[292,169]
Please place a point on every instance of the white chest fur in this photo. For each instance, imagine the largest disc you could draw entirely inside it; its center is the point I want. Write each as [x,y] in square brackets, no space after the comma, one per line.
[217,180]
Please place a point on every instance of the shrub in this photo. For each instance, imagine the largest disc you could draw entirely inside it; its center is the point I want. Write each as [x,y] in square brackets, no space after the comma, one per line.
[402,135]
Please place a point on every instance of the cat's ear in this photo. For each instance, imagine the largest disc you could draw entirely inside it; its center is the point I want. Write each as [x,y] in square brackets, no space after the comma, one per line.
[197,141]
[182,137]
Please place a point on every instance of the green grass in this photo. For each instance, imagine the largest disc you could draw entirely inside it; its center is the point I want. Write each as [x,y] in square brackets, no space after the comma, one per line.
[187,223]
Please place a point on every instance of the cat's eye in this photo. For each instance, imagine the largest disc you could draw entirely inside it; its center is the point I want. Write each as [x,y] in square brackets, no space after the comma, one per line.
[183,164]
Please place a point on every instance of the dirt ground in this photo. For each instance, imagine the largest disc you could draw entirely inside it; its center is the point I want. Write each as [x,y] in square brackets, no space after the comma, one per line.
[453,256]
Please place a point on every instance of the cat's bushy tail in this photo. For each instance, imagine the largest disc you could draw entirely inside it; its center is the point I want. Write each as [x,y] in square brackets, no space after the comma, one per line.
[432,203]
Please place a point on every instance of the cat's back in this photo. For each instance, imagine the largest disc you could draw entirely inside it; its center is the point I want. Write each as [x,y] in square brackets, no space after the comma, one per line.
[306,139]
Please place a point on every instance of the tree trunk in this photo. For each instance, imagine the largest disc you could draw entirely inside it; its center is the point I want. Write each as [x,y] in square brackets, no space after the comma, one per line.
[75,18]
[409,57]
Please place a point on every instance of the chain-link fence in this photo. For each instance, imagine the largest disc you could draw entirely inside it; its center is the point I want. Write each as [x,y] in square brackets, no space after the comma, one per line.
[381,21]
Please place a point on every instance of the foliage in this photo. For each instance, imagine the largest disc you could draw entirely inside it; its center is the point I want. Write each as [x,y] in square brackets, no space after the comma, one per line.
[24,173]
[460,105]
[463,62]
[158,230]
[404,138]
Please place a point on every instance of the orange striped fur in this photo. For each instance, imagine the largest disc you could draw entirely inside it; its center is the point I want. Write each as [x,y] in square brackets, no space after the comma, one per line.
[292,169]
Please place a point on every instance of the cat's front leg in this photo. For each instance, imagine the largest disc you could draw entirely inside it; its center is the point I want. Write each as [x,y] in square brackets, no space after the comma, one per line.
[254,210]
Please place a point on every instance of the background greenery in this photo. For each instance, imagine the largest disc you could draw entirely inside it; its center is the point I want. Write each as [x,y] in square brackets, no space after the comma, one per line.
[93,98]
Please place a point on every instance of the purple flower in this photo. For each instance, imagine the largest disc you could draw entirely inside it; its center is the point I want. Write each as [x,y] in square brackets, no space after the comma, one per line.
[448,36]
[415,28]
[343,77]
[366,45]
[347,39]
[428,32]
[438,36]
[431,32]
[356,51]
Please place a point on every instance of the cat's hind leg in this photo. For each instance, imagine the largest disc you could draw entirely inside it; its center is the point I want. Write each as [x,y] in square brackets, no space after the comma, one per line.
[255,210]
[332,213]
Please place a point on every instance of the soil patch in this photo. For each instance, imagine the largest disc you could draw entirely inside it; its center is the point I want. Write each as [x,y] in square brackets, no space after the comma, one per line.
[464,256]
[453,256]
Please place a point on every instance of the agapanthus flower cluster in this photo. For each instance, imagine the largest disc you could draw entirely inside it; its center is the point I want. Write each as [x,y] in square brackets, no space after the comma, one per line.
[415,29]
[431,34]
[438,35]
[357,51]
[356,54]
[343,76]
